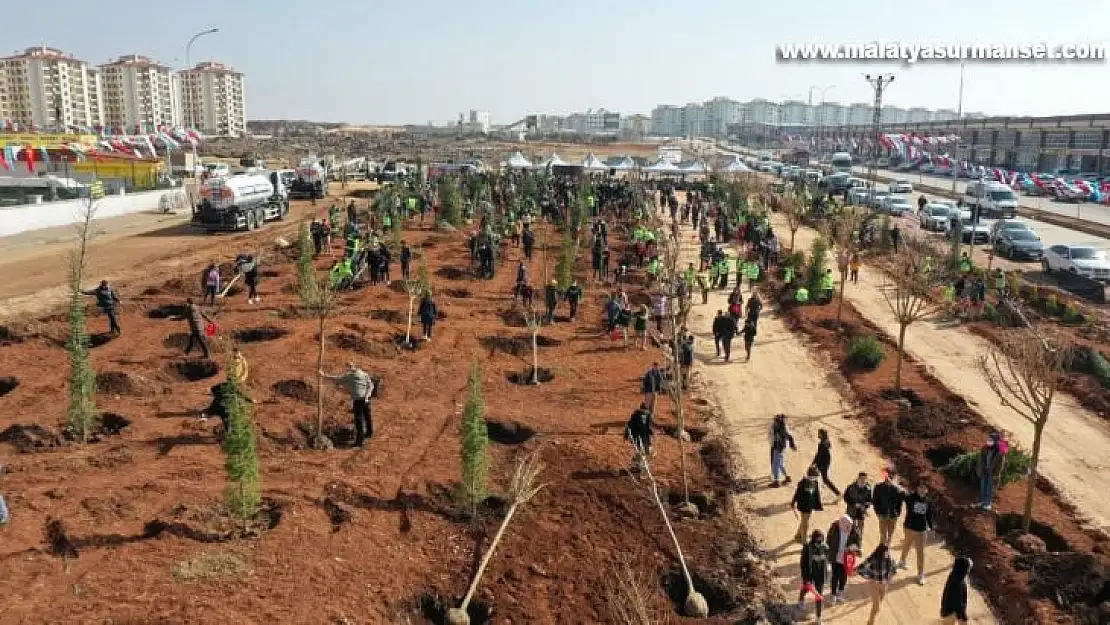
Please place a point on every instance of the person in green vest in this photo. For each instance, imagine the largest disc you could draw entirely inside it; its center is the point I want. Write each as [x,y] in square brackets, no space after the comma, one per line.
[410,204]
[354,245]
[333,216]
[927,266]
[387,220]
[591,202]
[703,284]
[341,274]
[788,275]
[948,293]
[828,285]
[653,267]
[801,295]
[965,264]
[689,275]
[751,271]
[999,281]
[722,272]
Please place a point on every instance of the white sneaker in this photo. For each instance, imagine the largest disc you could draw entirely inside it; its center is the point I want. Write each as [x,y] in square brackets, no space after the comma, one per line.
[921,580]
[258,300]
[840,597]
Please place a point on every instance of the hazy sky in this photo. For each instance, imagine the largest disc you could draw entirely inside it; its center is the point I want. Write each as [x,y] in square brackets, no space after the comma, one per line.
[411,61]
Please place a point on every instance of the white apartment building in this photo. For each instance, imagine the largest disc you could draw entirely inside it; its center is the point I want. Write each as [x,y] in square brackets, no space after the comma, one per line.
[941,115]
[859,113]
[918,114]
[693,120]
[794,112]
[213,99]
[719,113]
[894,115]
[830,114]
[760,111]
[46,88]
[666,120]
[96,96]
[139,93]
[593,122]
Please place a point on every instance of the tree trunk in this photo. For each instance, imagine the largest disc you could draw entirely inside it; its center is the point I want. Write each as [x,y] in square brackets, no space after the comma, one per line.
[901,356]
[793,231]
[680,417]
[486,558]
[535,356]
[1031,487]
[840,304]
[408,326]
[320,384]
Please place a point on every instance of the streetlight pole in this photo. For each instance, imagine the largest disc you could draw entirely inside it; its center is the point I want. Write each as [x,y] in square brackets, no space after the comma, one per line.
[959,116]
[878,83]
[820,126]
[189,48]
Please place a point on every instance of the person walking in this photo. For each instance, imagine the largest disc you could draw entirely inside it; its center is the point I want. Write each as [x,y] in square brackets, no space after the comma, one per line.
[360,386]
[211,282]
[878,569]
[749,339]
[248,268]
[107,300]
[718,330]
[992,461]
[551,301]
[196,319]
[953,601]
[651,384]
[887,498]
[528,240]
[843,539]
[638,432]
[857,500]
[428,314]
[806,501]
[639,325]
[754,307]
[780,439]
[726,331]
[814,564]
[823,459]
[919,521]
[406,259]
[573,296]
[853,268]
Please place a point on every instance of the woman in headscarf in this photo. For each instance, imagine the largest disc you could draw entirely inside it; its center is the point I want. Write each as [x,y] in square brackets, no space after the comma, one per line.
[953,602]
[843,538]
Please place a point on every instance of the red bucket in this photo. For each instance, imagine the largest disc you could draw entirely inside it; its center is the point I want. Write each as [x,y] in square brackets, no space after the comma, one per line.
[210,329]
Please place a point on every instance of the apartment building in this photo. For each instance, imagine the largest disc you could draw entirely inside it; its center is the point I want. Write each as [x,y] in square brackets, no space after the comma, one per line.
[139,92]
[918,114]
[46,88]
[96,96]
[213,99]
[943,115]
[794,112]
[760,111]
[894,114]
[719,113]
[860,113]
[830,114]
[593,122]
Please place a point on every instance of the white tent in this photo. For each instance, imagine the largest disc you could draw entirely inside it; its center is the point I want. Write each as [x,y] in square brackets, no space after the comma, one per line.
[661,167]
[517,161]
[737,167]
[593,162]
[696,167]
[551,161]
[625,163]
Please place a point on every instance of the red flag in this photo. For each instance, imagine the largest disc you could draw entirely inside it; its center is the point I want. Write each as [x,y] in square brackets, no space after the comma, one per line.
[4,162]
[30,158]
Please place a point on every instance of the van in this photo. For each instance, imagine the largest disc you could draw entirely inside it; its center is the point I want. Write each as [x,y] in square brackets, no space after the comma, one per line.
[994,199]
[841,161]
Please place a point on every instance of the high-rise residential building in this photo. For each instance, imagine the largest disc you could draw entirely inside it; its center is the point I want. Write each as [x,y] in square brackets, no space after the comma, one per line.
[213,99]
[760,111]
[666,120]
[794,112]
[47,88]
[593,122]
[830,114]
[918,114]
[96,96]
[894,115]
[719,113]
[860,113]
[692,120]
[139,94]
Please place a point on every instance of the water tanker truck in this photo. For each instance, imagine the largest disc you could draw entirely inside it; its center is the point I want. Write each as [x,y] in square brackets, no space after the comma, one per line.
[310,181]
[241,202]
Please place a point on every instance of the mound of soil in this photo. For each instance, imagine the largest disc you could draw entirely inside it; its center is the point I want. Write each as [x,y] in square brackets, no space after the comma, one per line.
[720,598]
[509,432]
[356,343]
[8,384]
[525,378]
[389,316]
[513,318]
[31,438]
[192,370]
[9,336]
[295,389]
[452,273]
[516,346]
[434,608]
[1010,523]
[215,523]
[168,311]
[151,291]
[932,420]
[101,339]
[258,335]
[1075,582]
[177,340]
[113,424]
[457,293]
[120,383]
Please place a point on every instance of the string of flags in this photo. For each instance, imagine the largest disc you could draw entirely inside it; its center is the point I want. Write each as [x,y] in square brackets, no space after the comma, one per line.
[111,140]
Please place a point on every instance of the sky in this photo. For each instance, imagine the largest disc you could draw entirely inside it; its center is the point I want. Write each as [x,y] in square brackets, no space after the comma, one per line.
[414,61]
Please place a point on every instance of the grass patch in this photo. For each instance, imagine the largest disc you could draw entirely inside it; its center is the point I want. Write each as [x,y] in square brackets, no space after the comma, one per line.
[209,565]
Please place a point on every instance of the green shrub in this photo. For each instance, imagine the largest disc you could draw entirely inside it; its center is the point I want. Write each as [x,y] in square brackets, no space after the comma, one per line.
[1072,314]
[963,467]
[866,352]
[817,265]
[474,438]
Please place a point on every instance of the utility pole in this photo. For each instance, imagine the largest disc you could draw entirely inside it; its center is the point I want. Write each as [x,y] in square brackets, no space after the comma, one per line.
[959,116]
[878,83]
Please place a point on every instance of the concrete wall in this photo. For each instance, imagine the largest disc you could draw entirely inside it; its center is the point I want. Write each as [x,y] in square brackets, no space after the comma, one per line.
[17,219]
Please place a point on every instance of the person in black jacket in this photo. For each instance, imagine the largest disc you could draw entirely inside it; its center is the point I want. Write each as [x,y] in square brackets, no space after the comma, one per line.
[406,258]
[685,355]
[823,459]
[780,439]
[573,296]
[638,432]
[724,328]
[843,537]
[806,501]
[814,563]
[248,267]
[108,301]
[919,520]
[551,299]
[749,339]
[953,602]
[651,384]
[857,500]
[528,239]
[428,314]
[887,497]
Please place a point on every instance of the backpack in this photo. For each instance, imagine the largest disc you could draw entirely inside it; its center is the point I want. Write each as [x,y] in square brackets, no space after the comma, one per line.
[735,310]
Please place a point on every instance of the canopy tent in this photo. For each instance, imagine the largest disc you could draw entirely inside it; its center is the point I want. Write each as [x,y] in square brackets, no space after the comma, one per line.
[517,161]
[737,167]
[624,163]
[551,161]
[695,167]
[593,162]
[661,167]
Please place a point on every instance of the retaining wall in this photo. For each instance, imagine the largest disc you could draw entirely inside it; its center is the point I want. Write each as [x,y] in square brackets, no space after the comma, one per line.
[26,217]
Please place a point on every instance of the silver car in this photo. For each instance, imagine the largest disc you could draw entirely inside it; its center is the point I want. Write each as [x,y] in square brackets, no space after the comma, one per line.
[896,206]
[901,186]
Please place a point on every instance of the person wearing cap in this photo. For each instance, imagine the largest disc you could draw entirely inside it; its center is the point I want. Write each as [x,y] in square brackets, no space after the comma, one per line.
[992,460]
[843,539]
[551,299]
[573,296]
[360,386]
[887,498]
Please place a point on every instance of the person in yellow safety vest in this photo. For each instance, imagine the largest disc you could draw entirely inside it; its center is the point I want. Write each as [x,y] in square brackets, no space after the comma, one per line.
[410,204]
[722,273]
[751,270]
[1000,280]
[801,295]
[927,266]
[965,264]
[828,284]
[341,272]
[239,366]
[948,293]
[653,267]
[387,220]
[787,275]
[714,274]
[688,275]
[703,284]
[591,201]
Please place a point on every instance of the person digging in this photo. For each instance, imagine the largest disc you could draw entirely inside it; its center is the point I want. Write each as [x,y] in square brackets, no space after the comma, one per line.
[196,319]
[107,300]
[360,387]
[638,432]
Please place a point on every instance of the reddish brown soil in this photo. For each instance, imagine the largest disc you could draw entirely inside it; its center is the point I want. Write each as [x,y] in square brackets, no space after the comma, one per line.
[937,424]
[369,535]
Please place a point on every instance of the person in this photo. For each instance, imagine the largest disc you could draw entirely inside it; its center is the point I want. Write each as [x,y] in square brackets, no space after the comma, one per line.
[360,386]
[921,202]
[211,281]
[736,304]
[814,563]
[239,366]
[196,319]
[652,383]
[703,285]
[843,538]
[828,285]
[749,338]
[823,459]
[528,239]
[573,296]
[659,310]
[919,520]
[638,432]
[317,232]
[639,325]
[887,498]
[878,569]
[853,268]
[685,355]
[551,300]
[248,268]
[754,307]
[780,439]
[801,295]
[428,314]
[724,329]
[5,516]
[806,501]
[107,300]
[953,601]
[221,400]
[406,259]
[992,459]
[857,500]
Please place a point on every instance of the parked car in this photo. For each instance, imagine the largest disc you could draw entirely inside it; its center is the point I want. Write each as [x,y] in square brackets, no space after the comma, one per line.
[994,199]
[876,198]
[1010,224]
[973,233]
[1083,260]
[901,186]
[1018,243]
[859,195]
[896,206]
[936,217]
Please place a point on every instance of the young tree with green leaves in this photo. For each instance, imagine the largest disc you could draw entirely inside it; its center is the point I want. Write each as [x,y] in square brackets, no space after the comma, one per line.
[82,414]
[474,439]
[450,201]
[244,474]
[306,268]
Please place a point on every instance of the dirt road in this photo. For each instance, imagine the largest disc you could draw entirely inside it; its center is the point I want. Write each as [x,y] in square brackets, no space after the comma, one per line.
[1073,453]
[784,378]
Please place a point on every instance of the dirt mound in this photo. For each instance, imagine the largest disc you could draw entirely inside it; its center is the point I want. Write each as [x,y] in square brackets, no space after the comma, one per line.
[101,339]
[517,346]
[434,608]
[31,438]
[151,291]
[120,383]
[215,523]
[389,316]
[113,424]
[192,370]
[720,598]
[295,389]
[177,340]
[168,311]
[356,343]
[9,336]
[542,376]
[931,420]
[1007,524]
[509,432]
[1076,582]
[8,384]
[258,335]
[513,317]
[457,293]
[452,273]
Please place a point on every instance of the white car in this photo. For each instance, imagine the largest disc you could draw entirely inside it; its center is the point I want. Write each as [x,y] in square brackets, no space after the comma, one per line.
[901,186]
[1084,260]
[936,217]
[896,206]
[973,233]
[877,198]
[859,195]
